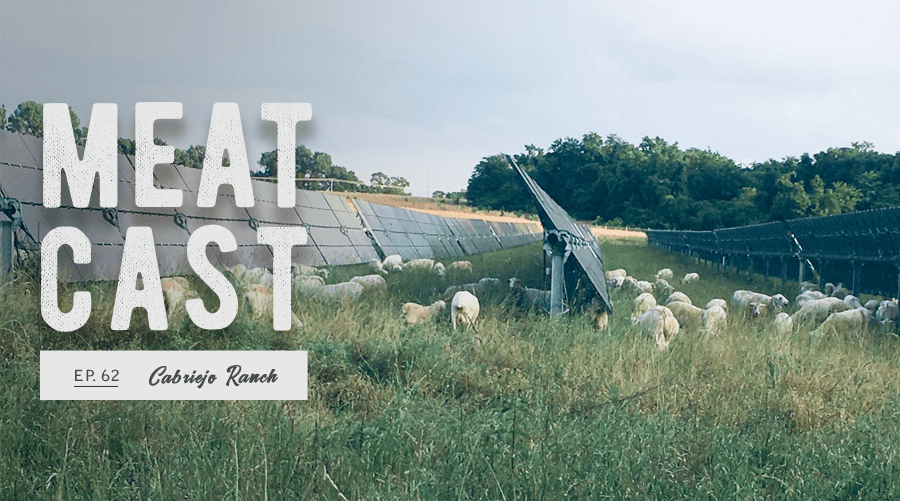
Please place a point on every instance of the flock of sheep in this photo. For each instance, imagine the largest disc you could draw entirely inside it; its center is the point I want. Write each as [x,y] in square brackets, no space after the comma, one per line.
[661,311]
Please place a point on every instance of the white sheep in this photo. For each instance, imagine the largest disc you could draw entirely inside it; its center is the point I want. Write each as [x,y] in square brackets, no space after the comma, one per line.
[439,270]
[817,310]
[414,313]
[419,264]
[678,296]
[846,322]
[688,315]
[644,286]
[808,295]
[176,291]
[458,266]
[307,284]
[237,271]
[376,266]
[887,313]
[783,323]
[615,282]
[753,303]
[662,289]
[715,320]
[259,276]
[852,301]
[464,309]
[665,274]
[302,269]
[721,303]
[690,277]
[660,324]
[370,282]
[259,302]
[344,291]
[642,303]
[393,263]
[609,275]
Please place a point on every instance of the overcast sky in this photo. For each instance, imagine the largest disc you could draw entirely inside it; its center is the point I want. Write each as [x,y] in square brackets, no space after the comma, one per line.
[424,90]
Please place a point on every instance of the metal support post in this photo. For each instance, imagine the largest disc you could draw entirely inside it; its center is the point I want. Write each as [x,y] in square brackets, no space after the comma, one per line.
[857,277]
[11,208]
[557,245]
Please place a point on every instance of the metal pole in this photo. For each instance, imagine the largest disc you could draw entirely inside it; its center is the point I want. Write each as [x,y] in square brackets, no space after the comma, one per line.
[557,282]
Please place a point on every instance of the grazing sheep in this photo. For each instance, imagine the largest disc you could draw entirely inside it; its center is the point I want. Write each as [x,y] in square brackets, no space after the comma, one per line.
[688,315]
[808,295]
[665,274]
[660,324]
[601,316]
[783,323]
[464,309]
[662,289]
[237,271]
[721,303]
[808,286]
[393,263]
[715,320]
[852,301]
[644,286]
[458,266]
[376,266]
[529,298]
[850,321]
[642,303]
[259,302]
[307,284]
[840,292]
[817,310]
[344,291]
[260,276]
[370,282]
[616,273]
[414,313]
[887,313]
[615,282]
[439,270]
[690,277]
[419,264]
[872,305]
[680,297]
[177,290]
[744,300]
[302,269]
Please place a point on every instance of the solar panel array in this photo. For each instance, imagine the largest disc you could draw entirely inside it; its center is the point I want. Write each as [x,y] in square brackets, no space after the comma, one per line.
[337,232]
[413,234]
[862,248]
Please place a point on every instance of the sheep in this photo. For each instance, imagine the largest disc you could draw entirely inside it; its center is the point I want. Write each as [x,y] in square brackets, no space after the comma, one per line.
[687,315]
[237,271]
[458,266]
[849,321]
[887,313]
[260,276]
[743,298]
[370,282]
[177,290]
[414,313]
[662,288]
[721,303]
[528,297]
[644,286]
[615,282]
[306,284]
[665,274]
[678,297]
[808,286]
[715,320]
[259,301]
[817,310]
[344,291]
[439,270]
[840,292]
[808,295]
[615,273]
[601,316]
[393,263]
[852,301]
[419,264]
[872,305]
[690,277]
[783,323]
[660,324]
[464,309]
[376,266]
[302,269]
[642,303]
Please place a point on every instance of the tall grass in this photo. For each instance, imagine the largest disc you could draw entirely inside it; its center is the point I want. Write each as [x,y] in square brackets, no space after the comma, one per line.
[530,408]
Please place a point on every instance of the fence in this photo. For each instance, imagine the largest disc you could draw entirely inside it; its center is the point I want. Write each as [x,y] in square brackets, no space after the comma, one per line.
[338,233]
[859,248]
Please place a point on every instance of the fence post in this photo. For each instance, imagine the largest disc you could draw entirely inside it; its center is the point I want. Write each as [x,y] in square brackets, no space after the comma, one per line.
[802,269]
[857,277]
[784,270]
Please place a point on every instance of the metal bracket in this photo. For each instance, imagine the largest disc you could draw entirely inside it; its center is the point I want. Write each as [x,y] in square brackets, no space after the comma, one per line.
[111,215]
[254,223]
[181,220]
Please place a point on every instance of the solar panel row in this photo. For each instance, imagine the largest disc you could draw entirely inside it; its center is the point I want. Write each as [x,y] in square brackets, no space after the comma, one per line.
[338,233]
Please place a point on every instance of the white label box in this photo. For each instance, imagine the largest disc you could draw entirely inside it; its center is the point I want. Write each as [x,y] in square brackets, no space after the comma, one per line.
[174,375]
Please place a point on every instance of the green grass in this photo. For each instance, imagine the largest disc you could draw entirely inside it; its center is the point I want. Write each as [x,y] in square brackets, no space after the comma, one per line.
[531,408]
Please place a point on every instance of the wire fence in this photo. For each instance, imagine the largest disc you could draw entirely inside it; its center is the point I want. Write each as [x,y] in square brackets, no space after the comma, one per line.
[338,233]
[859,249]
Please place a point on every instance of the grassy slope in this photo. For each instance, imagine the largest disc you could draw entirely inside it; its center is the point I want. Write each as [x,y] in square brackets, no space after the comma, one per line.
[532,408]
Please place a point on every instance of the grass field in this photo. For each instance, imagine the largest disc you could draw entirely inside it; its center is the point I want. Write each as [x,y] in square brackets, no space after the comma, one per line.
[531,408]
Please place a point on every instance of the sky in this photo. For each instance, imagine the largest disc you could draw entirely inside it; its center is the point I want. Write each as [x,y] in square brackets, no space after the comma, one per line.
[425,90]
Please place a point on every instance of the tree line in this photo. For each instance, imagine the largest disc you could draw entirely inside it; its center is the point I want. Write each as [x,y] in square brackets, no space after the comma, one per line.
[28,118]
[658,185]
